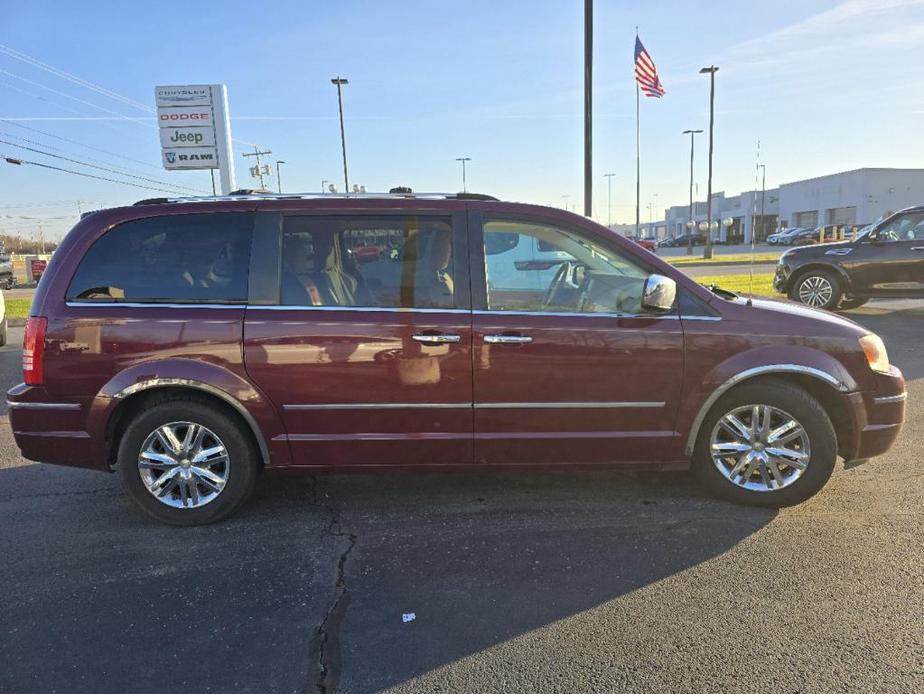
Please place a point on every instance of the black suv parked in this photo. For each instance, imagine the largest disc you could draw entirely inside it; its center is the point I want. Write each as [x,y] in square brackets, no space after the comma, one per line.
[886,261]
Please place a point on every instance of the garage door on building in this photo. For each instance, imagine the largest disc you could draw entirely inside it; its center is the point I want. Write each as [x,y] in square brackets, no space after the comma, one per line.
[806,220]
[842,216]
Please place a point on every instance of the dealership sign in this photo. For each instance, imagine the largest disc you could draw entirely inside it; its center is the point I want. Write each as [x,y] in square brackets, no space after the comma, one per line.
[195,129]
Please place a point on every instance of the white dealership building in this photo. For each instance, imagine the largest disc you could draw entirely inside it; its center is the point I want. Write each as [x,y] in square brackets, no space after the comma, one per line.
[849,199]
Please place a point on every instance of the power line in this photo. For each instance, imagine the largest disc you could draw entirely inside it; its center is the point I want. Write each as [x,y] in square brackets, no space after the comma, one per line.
[35,62]
[121,116]
[101,168]
[92,166]
[80,144]
[16,160]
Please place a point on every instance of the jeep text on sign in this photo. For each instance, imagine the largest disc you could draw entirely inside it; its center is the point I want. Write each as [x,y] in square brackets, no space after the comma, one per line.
[190,158]
[187,137]
[172,116]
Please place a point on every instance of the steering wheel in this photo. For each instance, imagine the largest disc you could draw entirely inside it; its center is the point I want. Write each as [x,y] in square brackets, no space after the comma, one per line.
[562,278]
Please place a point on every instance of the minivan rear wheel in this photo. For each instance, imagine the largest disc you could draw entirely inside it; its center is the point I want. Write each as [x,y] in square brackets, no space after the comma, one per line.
[817,289]
[768,443]
[186,463]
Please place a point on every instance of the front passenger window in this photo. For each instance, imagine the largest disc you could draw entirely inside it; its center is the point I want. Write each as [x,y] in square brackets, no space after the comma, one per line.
[906,227]
[537,268]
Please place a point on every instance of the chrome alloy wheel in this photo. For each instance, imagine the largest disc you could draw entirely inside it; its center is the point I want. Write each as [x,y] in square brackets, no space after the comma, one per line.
[815,291]
[183,465]
[760,448]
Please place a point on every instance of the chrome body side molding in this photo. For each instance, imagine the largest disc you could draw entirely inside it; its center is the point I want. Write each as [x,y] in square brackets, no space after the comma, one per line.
[42,405]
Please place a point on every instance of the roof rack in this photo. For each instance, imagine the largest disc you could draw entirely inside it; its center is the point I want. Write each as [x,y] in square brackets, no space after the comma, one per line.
[253,195]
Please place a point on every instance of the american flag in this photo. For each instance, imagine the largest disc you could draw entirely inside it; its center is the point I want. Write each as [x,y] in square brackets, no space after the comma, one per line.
[646,74]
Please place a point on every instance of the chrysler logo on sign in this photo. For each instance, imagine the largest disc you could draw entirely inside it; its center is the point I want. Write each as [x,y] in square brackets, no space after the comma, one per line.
[183,96]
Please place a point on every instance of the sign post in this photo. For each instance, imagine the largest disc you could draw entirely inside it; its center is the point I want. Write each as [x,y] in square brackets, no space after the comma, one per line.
[195,129]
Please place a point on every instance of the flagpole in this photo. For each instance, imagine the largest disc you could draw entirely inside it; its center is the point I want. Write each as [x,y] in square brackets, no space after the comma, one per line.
[638,167]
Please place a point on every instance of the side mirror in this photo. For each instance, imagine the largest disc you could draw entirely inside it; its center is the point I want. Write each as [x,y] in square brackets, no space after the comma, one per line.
[659,293]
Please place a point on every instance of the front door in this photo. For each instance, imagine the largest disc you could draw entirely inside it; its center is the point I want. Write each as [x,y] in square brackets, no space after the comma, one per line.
[890,262]
[362,337]
[572,371]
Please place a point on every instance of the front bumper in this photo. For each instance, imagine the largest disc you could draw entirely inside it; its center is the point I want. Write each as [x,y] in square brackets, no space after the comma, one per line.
[781,278]
[878,416]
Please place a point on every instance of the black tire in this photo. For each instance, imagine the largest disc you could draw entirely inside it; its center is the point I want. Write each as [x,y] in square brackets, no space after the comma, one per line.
[818,276]
[242,467]
[847,304]
[801,406]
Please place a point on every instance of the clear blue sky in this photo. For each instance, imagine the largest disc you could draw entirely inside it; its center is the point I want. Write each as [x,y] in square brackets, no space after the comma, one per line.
[825,86]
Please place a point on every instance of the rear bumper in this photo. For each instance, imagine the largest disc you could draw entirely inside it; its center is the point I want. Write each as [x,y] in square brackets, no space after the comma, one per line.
[51,429]
[878,416]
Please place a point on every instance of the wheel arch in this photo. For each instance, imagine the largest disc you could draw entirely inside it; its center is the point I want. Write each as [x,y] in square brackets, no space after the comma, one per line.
[136,398]
[827,388]
[815,266]
[156,380]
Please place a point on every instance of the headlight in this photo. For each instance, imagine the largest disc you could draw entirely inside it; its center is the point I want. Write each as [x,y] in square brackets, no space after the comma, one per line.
[875,352]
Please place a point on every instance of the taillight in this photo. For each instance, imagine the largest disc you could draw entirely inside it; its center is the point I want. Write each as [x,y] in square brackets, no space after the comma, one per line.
[33,351]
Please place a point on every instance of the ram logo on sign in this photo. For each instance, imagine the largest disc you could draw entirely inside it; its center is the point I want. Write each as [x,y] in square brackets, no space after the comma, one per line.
[191,158]
[195,130]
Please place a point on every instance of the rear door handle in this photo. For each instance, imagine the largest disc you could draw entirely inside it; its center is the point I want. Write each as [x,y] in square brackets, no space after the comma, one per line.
[508,339]
[437,339]
[917,248]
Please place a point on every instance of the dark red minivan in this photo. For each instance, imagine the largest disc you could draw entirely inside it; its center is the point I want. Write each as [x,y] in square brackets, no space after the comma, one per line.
[191,343]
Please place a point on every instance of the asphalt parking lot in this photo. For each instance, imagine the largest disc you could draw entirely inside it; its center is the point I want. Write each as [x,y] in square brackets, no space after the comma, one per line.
[520,581]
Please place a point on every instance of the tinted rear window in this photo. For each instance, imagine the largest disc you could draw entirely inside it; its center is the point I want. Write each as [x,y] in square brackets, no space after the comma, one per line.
[192,258]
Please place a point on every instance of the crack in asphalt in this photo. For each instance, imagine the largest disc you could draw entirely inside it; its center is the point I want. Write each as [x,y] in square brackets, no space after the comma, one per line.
[327,636]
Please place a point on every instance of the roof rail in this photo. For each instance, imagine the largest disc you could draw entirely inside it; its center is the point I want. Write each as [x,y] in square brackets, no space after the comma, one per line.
[253,195]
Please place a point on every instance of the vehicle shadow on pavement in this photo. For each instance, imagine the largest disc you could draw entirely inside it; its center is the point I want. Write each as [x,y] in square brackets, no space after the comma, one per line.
[479,559]
[308,584]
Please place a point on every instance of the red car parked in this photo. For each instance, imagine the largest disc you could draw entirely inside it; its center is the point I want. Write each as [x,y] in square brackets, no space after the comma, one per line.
[189,344]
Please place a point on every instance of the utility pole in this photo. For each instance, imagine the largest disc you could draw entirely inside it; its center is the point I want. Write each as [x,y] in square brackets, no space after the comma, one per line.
[463,160]
[609,199]
[257,153]
[588,105]
[339,82]
[711,70]
[692,134]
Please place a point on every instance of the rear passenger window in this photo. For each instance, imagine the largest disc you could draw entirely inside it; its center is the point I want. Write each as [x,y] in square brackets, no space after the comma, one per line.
[385,262]
[190,258]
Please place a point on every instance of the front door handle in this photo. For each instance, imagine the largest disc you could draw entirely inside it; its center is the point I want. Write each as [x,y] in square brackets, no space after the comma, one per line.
[917,248]
[508,339]
[437,339]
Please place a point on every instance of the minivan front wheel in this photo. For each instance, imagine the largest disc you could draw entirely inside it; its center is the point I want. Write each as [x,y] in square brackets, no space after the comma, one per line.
[186,463]
[817,289]
[767,443]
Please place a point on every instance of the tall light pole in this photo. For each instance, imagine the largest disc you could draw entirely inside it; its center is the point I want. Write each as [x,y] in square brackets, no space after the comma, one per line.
[609,199]
[588,101]
[692,134]
[463,160]
[711,70]
[339,82]
[279,174]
